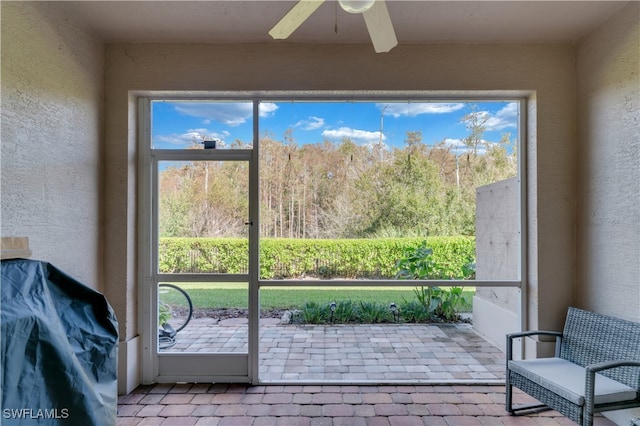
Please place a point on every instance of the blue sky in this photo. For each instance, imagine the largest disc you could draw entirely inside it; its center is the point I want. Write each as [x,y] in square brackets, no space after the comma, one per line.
[177,125]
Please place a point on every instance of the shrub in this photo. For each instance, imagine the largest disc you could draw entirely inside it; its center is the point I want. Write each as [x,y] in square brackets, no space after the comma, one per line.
[344,312]
[283,258]
[414,311]
[314,313]
[374,313]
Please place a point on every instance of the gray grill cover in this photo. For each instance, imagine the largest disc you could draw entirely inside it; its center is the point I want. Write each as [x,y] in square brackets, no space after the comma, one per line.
[58,349]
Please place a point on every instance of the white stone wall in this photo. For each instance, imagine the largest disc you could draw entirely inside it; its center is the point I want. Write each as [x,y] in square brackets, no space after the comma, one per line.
[497,233]
[52,85]
[608,212]
[496,310]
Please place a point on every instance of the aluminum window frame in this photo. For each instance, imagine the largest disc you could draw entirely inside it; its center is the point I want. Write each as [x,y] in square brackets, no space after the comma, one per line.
[147,242]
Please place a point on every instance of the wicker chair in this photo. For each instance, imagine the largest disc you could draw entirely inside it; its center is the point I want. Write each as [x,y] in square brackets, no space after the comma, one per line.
[596,368]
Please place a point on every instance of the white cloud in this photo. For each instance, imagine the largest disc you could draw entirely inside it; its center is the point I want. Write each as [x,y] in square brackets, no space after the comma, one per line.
[190,137]
[457,146]
[414,109]
[312,123]
[454,143]
[229,113]
[505,118]
[209,133]
[359,136]
[267,109]
[176,139]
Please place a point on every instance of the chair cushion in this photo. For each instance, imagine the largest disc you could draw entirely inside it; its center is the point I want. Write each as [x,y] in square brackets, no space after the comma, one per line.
[568,380]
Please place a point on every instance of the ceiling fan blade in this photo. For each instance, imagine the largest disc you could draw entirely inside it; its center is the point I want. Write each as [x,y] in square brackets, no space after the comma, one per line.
[294,18]
[380,27]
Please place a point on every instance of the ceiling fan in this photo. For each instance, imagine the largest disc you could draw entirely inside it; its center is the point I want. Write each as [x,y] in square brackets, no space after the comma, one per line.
[375,13]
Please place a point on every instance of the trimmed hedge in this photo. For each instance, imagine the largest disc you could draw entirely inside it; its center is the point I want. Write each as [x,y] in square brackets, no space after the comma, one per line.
[283,258]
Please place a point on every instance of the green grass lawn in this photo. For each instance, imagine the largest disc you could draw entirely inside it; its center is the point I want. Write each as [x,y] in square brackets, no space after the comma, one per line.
[234,295]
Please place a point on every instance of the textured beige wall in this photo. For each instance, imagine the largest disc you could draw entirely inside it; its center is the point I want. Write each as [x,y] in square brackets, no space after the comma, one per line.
[52,107]
[547,71]
[608,221]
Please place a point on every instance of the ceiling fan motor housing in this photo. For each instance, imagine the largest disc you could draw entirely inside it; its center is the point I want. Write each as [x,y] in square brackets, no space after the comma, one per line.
[356,6]
[375,14]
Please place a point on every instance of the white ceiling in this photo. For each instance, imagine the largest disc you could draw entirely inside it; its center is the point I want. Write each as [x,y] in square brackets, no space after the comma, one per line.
[414,21]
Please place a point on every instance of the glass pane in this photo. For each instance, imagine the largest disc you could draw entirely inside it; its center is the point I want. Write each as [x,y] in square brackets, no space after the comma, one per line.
[203,317]
[357,190]
[202,216]
[197,124]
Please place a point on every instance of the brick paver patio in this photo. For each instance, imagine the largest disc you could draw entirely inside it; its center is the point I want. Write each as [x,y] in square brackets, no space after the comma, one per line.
[348,354]
[354,353]
[349,405]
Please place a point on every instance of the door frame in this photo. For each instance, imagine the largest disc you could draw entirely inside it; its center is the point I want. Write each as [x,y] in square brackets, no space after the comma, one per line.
[194,367]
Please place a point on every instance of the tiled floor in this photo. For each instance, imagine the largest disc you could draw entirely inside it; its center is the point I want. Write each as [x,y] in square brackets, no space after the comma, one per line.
[348,405]
[354,353]
[341,353]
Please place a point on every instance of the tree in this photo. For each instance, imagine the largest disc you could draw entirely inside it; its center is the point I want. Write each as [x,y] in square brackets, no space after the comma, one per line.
[475,123]
[329,190]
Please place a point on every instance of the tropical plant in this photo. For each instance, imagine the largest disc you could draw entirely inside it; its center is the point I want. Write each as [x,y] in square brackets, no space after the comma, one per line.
[446,303]
[418,263]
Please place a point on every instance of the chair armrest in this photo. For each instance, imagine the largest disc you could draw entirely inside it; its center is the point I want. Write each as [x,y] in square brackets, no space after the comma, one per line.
[511,336]
[590,379]
[599,366]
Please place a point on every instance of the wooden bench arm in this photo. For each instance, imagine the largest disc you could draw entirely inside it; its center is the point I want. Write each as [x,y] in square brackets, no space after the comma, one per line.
[512,336]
